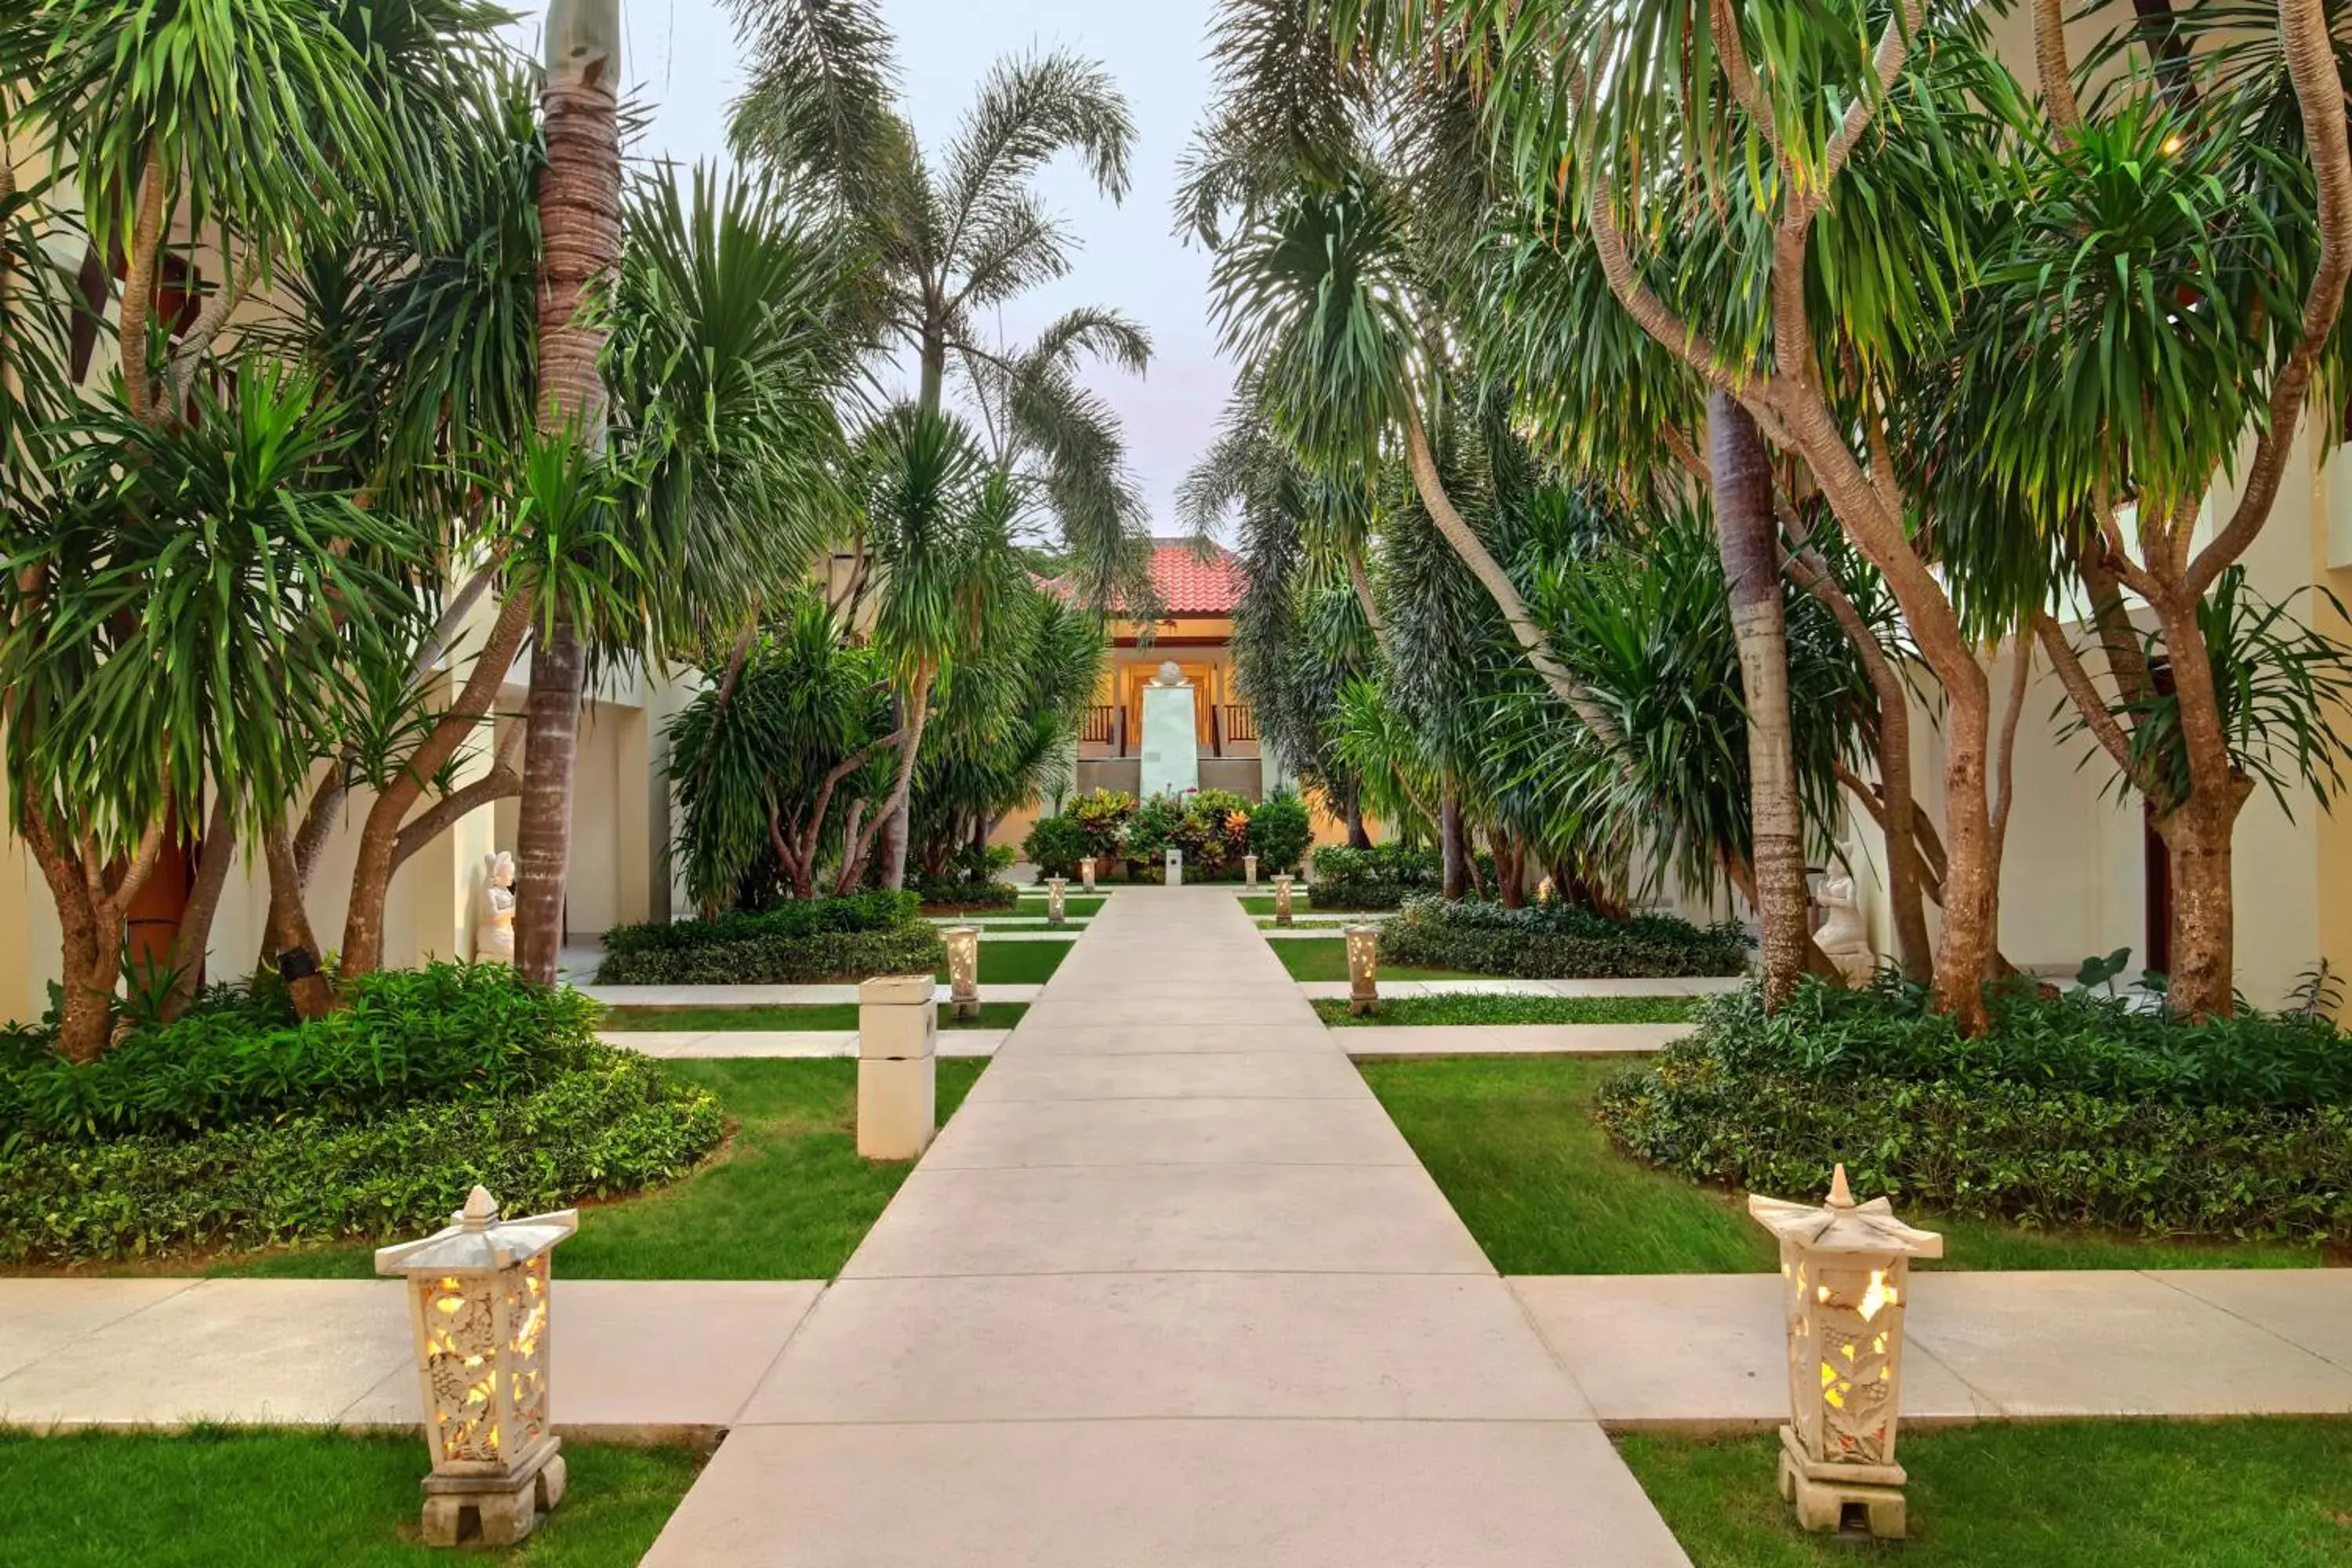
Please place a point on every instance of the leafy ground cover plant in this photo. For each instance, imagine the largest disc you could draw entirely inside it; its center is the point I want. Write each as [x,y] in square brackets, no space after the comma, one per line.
[800,943]
[1380,877]
[1556,941]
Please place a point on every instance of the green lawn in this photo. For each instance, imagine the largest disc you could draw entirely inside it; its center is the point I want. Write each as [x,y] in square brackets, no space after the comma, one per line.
[1517,1010]
[293,1500]
[826,1017]
[1018,962]
[1514,1146]
[788,1198]
[1316,958]
[1262,904]
[2087,1494]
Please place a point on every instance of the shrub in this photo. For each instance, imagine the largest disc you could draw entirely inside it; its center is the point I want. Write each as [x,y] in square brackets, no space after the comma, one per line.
[400,1035]
[1151,829]
[761,960]
[1748,1102]
[1279,832]
[1103,814]
[613,1123]
[1377,879]
[956,893]
[875,909]
[1056,845]
[1558,942]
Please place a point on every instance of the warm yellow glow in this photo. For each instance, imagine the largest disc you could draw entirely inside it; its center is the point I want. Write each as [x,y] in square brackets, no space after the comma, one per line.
[1878,1298]
[2172,144]
[1823,1295]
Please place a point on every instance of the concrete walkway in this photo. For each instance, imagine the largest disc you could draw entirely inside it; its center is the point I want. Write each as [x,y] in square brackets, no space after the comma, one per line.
[1169,1289]
[801,1044]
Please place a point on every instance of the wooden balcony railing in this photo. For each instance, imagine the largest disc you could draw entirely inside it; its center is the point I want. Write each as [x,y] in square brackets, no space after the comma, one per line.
[1101,725]
[1232,724]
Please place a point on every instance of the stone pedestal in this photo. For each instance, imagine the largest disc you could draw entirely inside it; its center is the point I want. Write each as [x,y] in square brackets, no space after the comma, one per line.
[1249,870]
[493,1511]
[897,1067]
[1171,735]
[1175,867]
[1823,1492]
[1086,872]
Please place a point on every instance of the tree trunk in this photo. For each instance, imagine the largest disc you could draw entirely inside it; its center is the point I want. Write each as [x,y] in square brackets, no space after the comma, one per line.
[217,853]
[1455,848]
[580,216]
[1510,870]
[298,950]
[2199,831]
[1358,836]
[895,824]
[1971,902]
[1750,537]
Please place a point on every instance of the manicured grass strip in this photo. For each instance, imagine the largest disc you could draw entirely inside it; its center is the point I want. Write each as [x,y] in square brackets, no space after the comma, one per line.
[1017,962]
[1300,910]
[1514,1144]
[298,1500]
[1078,906]
[788,1198]
[1518,1010]
[829,1017]
[2070,1494]
[1314,958]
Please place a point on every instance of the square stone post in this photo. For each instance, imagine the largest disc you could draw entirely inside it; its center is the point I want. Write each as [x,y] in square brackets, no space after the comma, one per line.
[1086,871]
[1282,901]
[964,970]
[1249,870]
[1057,900]
[1363,970]
[897,1067]
[1175,867]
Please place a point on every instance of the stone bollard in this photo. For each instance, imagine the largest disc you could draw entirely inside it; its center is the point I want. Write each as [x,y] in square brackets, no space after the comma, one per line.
[1086,871]
[964,970]
[1249,870]
[1282,901]
[1175,867]
[897,1067]
[1363,970]
[1057,900]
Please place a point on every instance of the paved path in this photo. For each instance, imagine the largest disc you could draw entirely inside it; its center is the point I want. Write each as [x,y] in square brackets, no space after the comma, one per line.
[795,1044]
[1169,1289]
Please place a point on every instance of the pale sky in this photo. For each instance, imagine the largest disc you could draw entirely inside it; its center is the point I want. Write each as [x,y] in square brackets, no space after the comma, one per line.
[681,62]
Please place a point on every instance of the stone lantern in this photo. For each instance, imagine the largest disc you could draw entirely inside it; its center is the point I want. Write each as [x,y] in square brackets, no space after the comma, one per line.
[1363,969]
[1056,900]
[1282,901]
[964,970]
[1249,870]
[1845,1271]
[478,1297]
[1086,871]
[1175,866]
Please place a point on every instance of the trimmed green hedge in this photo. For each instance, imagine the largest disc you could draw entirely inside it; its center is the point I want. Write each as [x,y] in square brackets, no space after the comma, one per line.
[397,1037]
[2084,1139]
[614,1123]
[1558,942]
[958,893]
[797,943]
[1377,879]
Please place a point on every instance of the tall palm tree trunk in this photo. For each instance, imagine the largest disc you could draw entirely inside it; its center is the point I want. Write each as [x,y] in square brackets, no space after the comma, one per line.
[1748,536]
[580,218]
[894,828]
[1454,846]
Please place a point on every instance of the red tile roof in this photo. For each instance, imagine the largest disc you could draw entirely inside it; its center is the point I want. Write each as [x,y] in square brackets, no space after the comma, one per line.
[1189,584]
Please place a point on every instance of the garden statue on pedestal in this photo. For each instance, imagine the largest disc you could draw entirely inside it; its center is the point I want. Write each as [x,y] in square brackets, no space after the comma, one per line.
[1844,939]
[494,942]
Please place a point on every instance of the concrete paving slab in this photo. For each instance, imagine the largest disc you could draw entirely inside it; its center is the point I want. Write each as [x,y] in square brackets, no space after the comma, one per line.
[1171,1494]
[1000,1134]
[1509,1039]
[638,1356]
[2113,1343]
[296,1351]
[2308,1308]
[1110,1039]
[39,1316]
[1175,1218]
[1257,1075]
[1143,1346]
[804,1045]
[1698,1349]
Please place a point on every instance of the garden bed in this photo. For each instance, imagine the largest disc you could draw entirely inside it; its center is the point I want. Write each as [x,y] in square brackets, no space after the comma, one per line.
[2077,1110]
[1321,958]
[101,1499]
[1558,941]
[808,943]
[1518,1148]
[1379,878]
[1405,1011]
[2060,1494]
[237,1127]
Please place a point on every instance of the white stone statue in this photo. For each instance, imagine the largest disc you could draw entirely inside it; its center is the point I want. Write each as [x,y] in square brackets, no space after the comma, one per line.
[494,939]
[1844,939]
[1169,675]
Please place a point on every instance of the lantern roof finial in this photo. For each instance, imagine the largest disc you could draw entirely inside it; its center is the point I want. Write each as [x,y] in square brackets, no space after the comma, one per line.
[1841,1195]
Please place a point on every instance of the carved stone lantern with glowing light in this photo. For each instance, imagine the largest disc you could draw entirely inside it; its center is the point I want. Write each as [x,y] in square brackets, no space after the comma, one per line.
[478,1297]
[1087,873]
[964,970]
[1249,870]
[1363,970]
[1845,1271]
[1057,891]
[1282,901]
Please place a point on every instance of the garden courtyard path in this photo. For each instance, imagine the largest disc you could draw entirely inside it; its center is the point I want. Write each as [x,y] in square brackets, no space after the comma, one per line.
[1170,1291]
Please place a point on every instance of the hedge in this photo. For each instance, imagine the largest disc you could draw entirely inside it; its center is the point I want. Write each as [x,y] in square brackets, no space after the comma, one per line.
[962,893]
[873,911]
[1765,1107]
[1377,879]
[613,1125]
[911,949]
[1558,942]
[398,1037]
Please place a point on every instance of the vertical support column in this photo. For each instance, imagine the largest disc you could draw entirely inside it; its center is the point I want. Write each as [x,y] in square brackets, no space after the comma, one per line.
[897,1067]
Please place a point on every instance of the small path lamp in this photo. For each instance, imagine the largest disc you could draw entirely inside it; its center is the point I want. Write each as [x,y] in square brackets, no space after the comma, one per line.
[1175,866]
[1846,1272]
[1249,870]
[1282,901]
[1087,873]
[1057,890]
[478,1298]
[1363,970]
[964,970]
